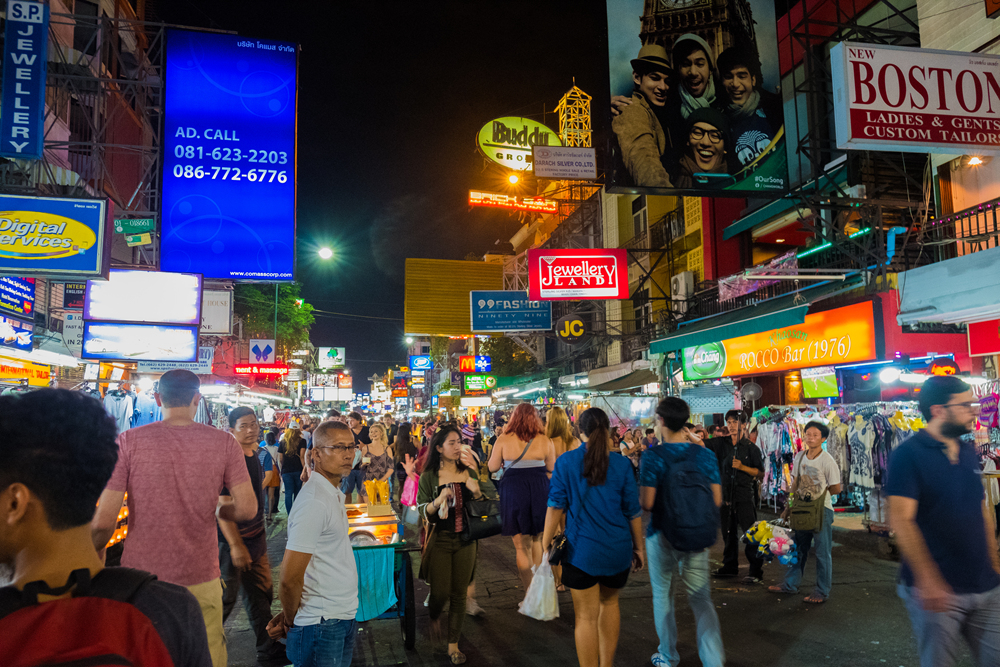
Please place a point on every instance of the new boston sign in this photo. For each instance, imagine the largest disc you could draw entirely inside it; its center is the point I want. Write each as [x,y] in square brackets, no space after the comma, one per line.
[508,310]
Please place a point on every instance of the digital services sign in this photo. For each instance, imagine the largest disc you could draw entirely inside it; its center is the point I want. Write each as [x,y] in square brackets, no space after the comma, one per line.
[832,337]
[50,237]
[139,342]
[229,157]
[560,275]
[508,310]
[144,296]
[17,296]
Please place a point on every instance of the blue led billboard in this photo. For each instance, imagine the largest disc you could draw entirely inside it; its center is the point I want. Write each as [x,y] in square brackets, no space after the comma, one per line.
[229,157]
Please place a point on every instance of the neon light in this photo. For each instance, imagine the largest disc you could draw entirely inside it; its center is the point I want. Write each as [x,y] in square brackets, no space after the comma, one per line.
[824,246]
[498,200]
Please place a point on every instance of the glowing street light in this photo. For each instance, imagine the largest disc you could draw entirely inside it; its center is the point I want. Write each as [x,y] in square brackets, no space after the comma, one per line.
[325,253]
[409,340]
[513,179]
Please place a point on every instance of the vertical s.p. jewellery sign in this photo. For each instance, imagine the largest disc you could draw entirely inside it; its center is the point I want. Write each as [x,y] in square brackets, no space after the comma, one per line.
[25,60]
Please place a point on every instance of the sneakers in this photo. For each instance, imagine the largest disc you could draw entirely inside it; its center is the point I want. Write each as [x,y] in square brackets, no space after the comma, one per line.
[724,574]
[659,660]
[752,579]
[472,608]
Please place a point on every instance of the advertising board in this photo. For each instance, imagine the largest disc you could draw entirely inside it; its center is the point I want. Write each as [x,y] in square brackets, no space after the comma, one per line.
[37,375]
[16,334]
[475,364]
[508,141]
[572,163]
[203,366]
[25,64]
[229,157]
[262,351]
[139,342]
[560,275]
[17,296]
[331,357]
[917,100]
[217,312]
[72,333]
[478,385]
[74,296]
[345,381]
[701,120]
[421,362]
[508,310]
[271,370]
[833,337]
[50,237]
[984,338]
[144,296]
[512,202]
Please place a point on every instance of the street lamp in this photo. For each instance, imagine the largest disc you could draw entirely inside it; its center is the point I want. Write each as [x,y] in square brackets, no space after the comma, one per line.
[409,340]
[325,253]
[513,179]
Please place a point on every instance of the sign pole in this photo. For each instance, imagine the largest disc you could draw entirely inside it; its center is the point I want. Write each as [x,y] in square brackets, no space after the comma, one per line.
[276,314]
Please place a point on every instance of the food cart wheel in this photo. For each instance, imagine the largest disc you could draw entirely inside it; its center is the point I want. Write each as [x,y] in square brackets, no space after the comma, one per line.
[408,612]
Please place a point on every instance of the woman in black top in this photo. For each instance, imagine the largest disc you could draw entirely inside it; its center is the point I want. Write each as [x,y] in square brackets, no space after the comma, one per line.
[290,462]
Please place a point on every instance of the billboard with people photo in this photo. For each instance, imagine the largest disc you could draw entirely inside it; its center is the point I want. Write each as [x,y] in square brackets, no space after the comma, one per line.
[695,104]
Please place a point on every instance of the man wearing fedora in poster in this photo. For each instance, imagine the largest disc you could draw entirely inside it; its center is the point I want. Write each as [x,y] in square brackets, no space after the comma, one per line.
[643,127]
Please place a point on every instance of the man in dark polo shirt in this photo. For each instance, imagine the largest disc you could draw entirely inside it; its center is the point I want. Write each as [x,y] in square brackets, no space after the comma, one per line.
[950,573]
[740,463]
[243,548]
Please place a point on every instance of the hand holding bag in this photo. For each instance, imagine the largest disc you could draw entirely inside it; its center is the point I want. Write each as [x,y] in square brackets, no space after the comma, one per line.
[541,602]
[482,519]
[806,515]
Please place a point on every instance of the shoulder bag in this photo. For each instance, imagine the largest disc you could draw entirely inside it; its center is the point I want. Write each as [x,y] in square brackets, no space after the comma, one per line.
[806,515]
[482,519]
[560,543]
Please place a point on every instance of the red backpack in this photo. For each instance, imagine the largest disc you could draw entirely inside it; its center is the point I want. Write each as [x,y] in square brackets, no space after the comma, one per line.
[97,627]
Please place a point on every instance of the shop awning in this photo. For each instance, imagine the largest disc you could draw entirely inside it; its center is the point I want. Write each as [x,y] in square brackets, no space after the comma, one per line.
[783,311]
[963,289]
[600,376]
[634,379]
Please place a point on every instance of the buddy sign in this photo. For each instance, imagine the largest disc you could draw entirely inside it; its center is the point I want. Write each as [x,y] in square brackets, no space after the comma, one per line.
[508,141]
[840,336]
[561,275]
[916,100]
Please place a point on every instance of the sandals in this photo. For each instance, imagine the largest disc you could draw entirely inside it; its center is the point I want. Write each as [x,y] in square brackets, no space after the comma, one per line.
[457,658]
[780,589]
[814,599]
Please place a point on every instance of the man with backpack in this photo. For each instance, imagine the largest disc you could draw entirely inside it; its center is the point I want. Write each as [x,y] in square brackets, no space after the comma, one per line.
[64,606]
[679,483]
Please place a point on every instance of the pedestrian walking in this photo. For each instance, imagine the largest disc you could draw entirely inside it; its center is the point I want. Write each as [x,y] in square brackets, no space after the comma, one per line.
[59,451]
[174,471]
[290,458]
[527,457]
[272,481]
[354,481]
[680,484]
[815,475]
[319,578]
[447,484]
[740,463]
[559,431]
[950,573]
[377,462]
[594,490]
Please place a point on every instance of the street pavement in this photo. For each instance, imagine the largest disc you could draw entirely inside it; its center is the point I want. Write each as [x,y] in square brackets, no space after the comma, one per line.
[862,624]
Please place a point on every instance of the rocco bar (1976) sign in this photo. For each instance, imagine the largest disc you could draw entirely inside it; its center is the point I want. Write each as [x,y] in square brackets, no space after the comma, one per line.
[915,100]
[562,275]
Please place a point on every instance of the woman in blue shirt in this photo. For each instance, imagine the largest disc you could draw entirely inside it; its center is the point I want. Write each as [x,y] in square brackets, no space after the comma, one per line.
[594,488]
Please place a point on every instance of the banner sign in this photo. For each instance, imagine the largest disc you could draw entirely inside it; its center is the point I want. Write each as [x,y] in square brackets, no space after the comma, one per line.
[145,296]
[278,370]
[229,157]
[571,329]
[894,98]
[701,122]
[508,141]
[331,357]
[201,367]
[476,364]
[569,163]
[216,312]
[984,338]
[25,64]
[74,296]
[262,351]
[135,225]
[420,362]
[561,275]
[17,296]
[51,237]
[37,375]
[15,333]
[72,333]
[513,202]
[833,337]
[139,342]
[478,385]
[346,382]
[323,380]
[508,310]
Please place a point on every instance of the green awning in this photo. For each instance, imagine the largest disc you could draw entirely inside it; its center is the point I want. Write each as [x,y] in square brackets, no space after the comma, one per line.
[782,311]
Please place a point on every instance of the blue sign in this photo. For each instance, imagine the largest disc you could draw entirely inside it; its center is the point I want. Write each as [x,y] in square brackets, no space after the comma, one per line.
[434,400]
[25,63]
[17,296]
[54,238]
[229,157]
[509,311]
[483,364]
[421,362]
[15,333]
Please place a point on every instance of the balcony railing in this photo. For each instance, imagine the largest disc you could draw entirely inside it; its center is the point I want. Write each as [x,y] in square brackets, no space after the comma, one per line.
[972,230]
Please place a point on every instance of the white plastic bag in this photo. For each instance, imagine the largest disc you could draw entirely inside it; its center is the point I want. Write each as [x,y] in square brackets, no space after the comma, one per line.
[541,601]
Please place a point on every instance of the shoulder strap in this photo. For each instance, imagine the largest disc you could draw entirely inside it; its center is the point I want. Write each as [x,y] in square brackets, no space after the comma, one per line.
[115,583]
[523,452]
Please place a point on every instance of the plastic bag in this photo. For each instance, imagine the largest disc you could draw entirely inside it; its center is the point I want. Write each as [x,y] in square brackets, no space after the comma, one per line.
[409,496]
[541,601]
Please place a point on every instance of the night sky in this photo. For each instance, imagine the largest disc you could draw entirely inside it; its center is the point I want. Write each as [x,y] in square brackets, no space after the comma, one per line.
[391,96]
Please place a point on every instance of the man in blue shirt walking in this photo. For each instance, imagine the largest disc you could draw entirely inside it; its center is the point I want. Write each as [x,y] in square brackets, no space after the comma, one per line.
[659,467]
[950,575]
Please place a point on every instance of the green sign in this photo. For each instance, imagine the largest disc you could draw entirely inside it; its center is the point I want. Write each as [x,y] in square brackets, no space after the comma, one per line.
[138,239]
[508,141]
[135,226]
[703,362]
[478,385]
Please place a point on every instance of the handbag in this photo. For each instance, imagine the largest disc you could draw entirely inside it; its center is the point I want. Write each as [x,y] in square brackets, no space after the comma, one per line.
[806,515]
[482,519]
[560,543]
[424,572]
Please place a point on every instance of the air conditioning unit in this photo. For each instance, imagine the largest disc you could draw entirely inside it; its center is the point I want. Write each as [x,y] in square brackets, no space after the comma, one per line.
[681,289]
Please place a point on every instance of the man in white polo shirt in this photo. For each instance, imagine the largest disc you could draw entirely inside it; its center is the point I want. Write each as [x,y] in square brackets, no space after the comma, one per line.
[319,581]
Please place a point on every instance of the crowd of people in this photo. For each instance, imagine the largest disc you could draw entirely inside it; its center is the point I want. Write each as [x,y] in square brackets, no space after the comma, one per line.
[199,501]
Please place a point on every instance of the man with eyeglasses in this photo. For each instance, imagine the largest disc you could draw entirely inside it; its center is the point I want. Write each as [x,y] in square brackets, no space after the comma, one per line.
[319,581]
[950,574]
[706,150]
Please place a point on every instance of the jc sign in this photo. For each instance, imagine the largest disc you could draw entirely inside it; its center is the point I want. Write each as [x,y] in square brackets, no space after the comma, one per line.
[570,329]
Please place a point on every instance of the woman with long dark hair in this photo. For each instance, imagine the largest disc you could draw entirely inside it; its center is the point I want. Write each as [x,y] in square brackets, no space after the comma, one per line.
[290,458]
[527,456]
[594,489]
[446,486]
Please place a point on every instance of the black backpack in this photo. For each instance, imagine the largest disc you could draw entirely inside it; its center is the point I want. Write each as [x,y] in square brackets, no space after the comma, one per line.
[690,518]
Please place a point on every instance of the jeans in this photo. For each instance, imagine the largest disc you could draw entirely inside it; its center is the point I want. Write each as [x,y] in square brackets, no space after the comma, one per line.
[692,568]
[293,484]
[258,593]
[354,482]
[329,643]
[736,519]
[824,557]
[975,616]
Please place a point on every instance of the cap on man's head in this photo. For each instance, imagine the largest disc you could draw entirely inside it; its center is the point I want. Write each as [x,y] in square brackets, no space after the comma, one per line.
[652,58]
[295,425]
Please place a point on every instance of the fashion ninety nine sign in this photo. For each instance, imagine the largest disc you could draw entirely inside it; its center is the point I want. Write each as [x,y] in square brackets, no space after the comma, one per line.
[915,100]
[560,275]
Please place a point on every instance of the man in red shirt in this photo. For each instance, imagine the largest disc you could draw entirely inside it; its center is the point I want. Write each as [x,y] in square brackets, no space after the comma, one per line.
[174,472]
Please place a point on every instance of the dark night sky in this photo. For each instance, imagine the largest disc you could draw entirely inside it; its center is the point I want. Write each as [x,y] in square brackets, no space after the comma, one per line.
[391,96]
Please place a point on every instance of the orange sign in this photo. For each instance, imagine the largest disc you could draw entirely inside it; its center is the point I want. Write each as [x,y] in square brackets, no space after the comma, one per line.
[516,202]
[839,336]
[992,9]
[37,375]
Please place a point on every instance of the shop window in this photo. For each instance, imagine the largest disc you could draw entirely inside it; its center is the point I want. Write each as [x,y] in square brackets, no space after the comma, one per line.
[640,216]
[642,309]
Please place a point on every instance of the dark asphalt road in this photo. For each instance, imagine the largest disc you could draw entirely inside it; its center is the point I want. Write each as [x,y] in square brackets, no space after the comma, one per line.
[863,623]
